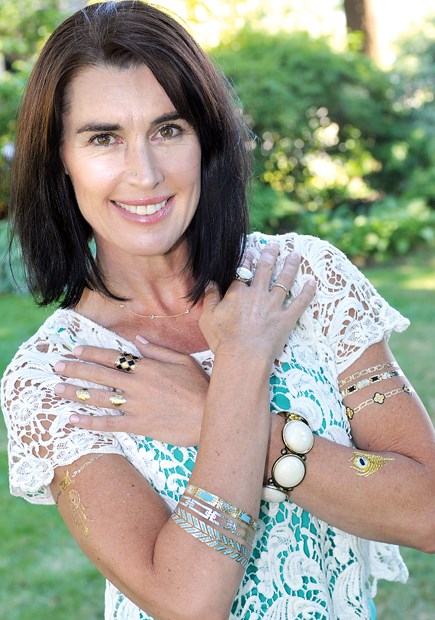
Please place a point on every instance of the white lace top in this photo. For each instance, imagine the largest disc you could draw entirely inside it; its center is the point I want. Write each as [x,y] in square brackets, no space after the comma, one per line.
[301,567]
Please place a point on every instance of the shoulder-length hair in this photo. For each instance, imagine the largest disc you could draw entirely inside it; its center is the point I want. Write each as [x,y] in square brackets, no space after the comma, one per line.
[54,236]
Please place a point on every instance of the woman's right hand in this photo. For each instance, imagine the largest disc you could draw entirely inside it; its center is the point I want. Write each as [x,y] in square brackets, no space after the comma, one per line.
[256,317]
[165,394]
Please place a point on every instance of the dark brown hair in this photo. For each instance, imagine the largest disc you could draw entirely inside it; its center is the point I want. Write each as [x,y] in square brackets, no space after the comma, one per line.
[53,234]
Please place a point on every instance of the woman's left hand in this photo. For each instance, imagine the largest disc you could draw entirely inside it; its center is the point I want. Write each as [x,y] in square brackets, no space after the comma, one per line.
[164,396]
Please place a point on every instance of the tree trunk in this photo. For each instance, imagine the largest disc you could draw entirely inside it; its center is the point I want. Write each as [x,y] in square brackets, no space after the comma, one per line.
[361,16]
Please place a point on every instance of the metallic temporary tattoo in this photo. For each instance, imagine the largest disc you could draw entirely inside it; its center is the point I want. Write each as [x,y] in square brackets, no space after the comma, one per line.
[366,464]
[81,519]
[389,374]
[379,399]
[367,371]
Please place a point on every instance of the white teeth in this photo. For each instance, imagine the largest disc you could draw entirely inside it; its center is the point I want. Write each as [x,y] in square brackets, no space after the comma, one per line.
[143,209]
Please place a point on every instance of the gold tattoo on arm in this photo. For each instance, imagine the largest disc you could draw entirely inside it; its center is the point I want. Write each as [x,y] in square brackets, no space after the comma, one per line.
[379,399]
[366,464]
[367,371]
[81,518]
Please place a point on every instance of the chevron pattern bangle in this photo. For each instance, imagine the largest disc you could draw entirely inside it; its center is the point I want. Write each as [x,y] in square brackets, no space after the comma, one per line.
[218,518]
[221,504]
[211,537]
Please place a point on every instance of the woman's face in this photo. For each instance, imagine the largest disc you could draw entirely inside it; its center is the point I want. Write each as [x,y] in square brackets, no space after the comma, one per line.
[134,163]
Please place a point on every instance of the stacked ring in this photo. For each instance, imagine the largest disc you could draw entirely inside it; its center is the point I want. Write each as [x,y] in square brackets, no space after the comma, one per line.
[118,400]
[126,362]
[287,292]
[83,394]
[245,275]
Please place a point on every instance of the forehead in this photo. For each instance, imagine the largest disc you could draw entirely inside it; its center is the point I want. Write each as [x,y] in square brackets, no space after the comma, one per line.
[111,90]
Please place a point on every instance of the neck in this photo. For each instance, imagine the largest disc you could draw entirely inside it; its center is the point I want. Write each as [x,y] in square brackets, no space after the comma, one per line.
[150,285]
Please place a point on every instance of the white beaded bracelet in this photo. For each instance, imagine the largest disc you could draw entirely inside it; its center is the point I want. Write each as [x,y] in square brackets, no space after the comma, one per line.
[289,469]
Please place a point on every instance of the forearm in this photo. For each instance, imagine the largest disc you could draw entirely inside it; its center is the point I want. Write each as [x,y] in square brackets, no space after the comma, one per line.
[384,505]
[230,464]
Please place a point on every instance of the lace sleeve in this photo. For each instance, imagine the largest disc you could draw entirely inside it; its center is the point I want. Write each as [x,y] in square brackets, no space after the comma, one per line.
[39,435]
[351,312]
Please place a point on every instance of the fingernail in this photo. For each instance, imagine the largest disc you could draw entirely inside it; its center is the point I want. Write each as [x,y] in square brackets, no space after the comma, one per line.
[59,366]
[295,255]
[311,284]
[74,418]
[77,350]
[59,388]
[142,340]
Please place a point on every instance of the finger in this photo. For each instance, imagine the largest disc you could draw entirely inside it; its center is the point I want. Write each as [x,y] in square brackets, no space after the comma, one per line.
[97,355]
[158,352]
[93,373]
[96,398]
[103,423]
[265,266]
[281,286]
[301,301]
[212,297]
[245,264]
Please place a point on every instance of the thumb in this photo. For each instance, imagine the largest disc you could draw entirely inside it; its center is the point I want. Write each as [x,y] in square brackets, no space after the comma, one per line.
[212,297]
[157,352]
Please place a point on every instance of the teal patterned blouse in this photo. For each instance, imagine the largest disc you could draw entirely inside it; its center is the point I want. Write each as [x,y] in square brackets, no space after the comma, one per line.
[301,567]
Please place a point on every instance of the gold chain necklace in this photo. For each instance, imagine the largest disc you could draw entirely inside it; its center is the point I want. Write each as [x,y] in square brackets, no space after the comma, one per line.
[151,316]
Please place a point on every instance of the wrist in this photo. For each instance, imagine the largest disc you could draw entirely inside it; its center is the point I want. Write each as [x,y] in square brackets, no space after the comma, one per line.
[288,470]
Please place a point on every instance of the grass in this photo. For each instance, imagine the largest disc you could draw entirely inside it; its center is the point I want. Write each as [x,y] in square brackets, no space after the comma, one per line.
[44,575]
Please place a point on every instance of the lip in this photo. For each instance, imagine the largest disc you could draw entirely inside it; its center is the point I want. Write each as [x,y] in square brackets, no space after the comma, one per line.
[141,217]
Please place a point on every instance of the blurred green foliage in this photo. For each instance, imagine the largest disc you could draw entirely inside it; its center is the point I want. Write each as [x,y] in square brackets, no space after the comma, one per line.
[343,149]
[24,26]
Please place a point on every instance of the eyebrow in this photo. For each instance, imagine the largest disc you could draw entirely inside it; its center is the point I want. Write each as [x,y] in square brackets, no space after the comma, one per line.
[96,127]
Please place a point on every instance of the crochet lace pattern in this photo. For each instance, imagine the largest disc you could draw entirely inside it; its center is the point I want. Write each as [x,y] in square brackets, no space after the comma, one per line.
[301,567]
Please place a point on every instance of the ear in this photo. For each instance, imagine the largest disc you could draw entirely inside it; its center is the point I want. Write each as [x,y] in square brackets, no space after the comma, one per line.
[65,169]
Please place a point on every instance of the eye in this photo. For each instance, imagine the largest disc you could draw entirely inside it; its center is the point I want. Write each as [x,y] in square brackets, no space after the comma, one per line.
[103,139]
[168,131]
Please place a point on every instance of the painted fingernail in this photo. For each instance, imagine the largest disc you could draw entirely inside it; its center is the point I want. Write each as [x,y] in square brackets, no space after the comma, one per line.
[77,350]
[59,388]
[59,366]
[142,340]
[74,418]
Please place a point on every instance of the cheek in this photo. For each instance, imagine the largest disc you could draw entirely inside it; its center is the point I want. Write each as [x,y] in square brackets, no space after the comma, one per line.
[90,176]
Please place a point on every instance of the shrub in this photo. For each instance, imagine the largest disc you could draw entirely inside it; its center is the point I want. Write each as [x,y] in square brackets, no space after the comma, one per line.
[12,278]
[322,117]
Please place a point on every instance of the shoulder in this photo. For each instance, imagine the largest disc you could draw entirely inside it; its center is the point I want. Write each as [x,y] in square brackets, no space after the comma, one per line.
[317,254]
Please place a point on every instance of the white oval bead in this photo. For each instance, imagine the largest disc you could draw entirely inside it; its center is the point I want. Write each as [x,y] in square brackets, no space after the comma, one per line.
[272,494]
[298,436]
[288,471]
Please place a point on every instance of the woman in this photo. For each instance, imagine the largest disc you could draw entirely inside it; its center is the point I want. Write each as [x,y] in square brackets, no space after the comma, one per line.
[128,136]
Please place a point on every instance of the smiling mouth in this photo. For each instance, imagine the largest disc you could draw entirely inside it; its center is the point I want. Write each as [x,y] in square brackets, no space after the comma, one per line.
[142,209]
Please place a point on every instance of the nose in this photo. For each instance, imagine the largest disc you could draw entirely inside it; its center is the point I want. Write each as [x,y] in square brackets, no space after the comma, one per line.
[142,166]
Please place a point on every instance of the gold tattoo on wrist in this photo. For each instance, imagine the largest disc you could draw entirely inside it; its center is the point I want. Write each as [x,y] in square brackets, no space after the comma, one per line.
[81,518]
[366,464]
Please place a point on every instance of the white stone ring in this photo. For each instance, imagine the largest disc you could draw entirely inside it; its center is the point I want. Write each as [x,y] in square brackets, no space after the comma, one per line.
[245,275]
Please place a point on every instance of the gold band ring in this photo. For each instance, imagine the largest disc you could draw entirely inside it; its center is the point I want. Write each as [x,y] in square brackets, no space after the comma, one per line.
[287,292]
[83,394]
[118,400]
[126,362]
[245,275]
